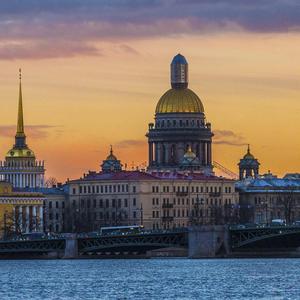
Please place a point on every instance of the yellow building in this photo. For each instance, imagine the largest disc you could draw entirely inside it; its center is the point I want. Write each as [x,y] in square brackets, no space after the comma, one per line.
[20,212]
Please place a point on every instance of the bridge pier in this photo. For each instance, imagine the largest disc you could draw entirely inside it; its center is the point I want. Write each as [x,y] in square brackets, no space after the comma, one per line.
[71,247]
[208,241]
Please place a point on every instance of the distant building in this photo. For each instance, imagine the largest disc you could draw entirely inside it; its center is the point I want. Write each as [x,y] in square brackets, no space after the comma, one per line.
[20,166]
[267,197]
[156,200]
[20,211]
[54,207]
[263,198]
[180,125]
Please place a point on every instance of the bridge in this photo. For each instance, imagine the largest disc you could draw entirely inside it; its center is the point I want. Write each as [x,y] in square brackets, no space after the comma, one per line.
[265,238]
[200,241]
[136,243]
[72,245]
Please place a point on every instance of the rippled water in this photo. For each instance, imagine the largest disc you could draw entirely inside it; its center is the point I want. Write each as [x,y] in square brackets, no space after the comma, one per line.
[150,279]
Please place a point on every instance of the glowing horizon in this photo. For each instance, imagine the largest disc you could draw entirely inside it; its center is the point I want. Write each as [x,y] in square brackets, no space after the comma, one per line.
[94,80]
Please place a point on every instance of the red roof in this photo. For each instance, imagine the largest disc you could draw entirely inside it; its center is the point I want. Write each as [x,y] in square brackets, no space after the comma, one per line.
[139,175]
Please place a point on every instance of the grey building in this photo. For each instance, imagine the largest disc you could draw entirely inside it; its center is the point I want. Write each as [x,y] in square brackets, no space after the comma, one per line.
[267,197]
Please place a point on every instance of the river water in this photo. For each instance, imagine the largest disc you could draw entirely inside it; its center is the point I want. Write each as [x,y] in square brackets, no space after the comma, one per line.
[150,279]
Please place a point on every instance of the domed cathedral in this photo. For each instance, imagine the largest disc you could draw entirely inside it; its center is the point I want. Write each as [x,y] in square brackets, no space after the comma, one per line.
[180,126]
[248,166]
[20,166]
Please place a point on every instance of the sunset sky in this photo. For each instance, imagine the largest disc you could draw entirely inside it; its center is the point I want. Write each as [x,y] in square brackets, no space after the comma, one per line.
[93,72]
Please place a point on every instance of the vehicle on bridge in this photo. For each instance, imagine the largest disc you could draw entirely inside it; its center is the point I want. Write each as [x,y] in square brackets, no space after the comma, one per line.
[278,222]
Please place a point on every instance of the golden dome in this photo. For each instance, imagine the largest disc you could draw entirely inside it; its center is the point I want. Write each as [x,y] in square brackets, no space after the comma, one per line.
[20,153]
[179,101]
[189,154]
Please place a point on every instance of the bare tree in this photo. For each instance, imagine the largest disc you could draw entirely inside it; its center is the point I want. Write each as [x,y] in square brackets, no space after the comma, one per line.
[50,182]
[11,225]
[288,201]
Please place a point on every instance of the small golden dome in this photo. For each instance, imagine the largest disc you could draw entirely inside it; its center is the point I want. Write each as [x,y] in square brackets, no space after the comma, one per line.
[179,101]
[189,154]
[20,153]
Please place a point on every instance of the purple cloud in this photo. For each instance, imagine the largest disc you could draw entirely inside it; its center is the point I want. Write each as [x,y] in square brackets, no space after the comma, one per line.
[72,27]
[34,131]
[228,137]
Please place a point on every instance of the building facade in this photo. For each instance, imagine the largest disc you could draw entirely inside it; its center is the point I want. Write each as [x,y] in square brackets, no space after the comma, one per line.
[20,166]
[20,211]
[157,200]
[267,197]
[180,124]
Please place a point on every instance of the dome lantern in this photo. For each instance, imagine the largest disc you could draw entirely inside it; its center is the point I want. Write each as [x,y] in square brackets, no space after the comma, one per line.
[179,72]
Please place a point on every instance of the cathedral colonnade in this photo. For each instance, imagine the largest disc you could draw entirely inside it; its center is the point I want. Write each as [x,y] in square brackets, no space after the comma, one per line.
[28,218]
[168,153]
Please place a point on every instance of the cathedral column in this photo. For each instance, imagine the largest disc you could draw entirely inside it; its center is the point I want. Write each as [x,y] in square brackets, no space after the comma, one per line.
[14,219]
[203,153]
[41,218]
[150,153]
[159,150]
[167,153]
[209,153]
[27,219]
[20,216]
[34,222]
[180,152]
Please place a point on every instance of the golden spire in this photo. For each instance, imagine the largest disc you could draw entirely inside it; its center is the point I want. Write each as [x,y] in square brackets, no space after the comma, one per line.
[20,125]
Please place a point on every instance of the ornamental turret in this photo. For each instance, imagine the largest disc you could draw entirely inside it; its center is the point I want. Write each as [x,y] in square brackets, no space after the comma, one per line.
[111,163]
[248,166]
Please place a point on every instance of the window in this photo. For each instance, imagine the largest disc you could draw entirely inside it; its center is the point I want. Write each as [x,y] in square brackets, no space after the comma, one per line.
[134,214]
[95,203]
[50,204]
[134,189]
[119,202]
[125,203]
[113,203]
[74,191]
[63,204]
[134,202]
[107,203]
[56,216]
[101,203]
[80,190]
[56,204]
